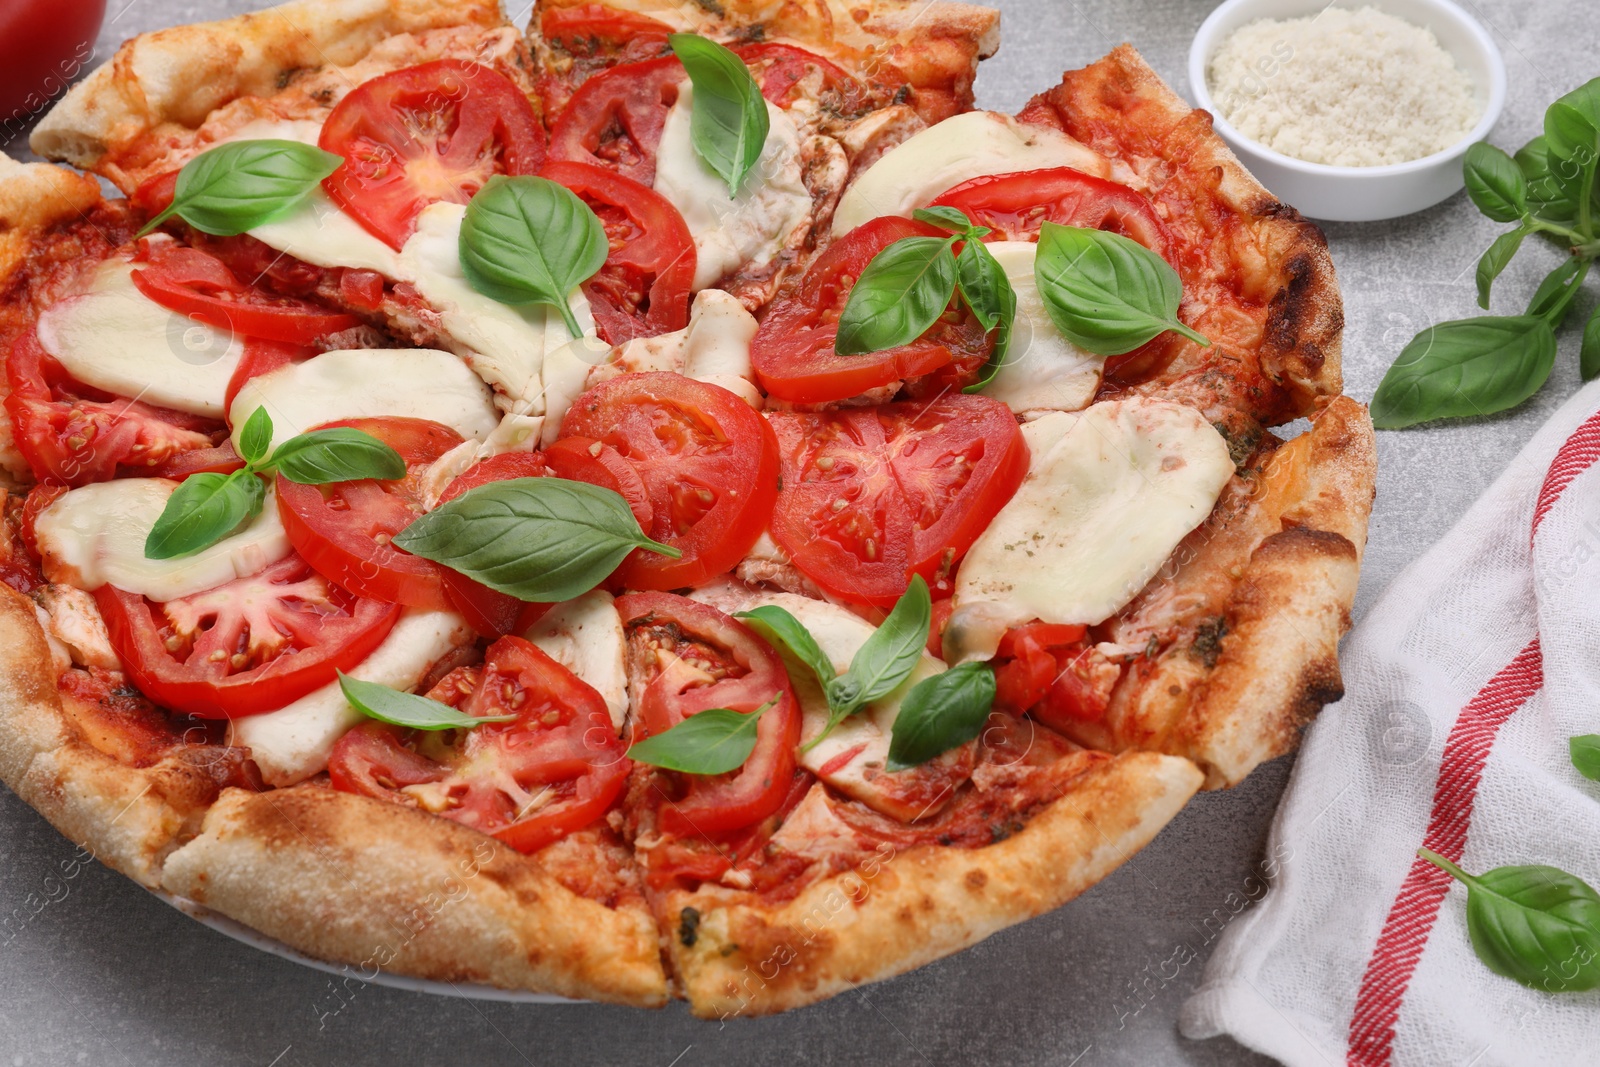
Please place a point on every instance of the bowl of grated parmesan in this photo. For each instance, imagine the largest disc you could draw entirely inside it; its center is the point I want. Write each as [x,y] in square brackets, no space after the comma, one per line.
[1351,111]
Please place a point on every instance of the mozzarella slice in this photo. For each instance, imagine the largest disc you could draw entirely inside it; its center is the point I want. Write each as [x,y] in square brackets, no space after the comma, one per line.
[1043,371]
[749,228]
[857,751]
[115,338]
[418,383]
[507,346]
[585,636]
[948,153]
[1109,494]
[293,743]
[95,536]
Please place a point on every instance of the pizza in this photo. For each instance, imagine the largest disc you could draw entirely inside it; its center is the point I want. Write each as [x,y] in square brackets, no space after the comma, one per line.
[639,506]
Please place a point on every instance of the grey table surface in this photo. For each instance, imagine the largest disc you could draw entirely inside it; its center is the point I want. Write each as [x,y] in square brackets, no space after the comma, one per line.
[106,973]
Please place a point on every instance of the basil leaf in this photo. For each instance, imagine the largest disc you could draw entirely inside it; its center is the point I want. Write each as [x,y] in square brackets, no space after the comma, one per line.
[1585,752]
[1536,925]
[1495,183]
[941,712]
[256,437]
[1589,352]
[1553,299]
[1465,367]
[1495,260]
[788,635]
[337,454]
[1105,293]
[408,709]
[987,291]
[236,187]
[949,218]
[888,657]
[729,121]
[1572,138]
[538,539]
[203,510]
[527,240]
[714,741]
[1546,200]
[899,295]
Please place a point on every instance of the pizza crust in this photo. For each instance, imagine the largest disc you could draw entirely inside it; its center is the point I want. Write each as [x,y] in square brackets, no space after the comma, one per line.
[372,884]
[129,817]
[34,197]
[179,76]
[924,903]
[1168,150]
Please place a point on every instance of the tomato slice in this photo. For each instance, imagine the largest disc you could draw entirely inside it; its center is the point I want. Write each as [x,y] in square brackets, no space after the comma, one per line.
[595,29]
[200,286]
[344,529]
[792,352]
[701,659]
[781,68]
[430,133]
[1014,205]
[247,647]
[643,289]
[614,119]
[557,768]
[874,495]
[73,435]
[581,459]
[1054,673]
[262,357]
[708,461]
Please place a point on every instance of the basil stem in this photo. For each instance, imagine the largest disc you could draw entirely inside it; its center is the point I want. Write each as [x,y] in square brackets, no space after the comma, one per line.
[729,122]
[714,741]
[408,709]
[1536,925]
[236,187]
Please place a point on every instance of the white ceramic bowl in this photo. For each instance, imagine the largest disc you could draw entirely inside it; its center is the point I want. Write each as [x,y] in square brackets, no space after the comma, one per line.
[1358,194]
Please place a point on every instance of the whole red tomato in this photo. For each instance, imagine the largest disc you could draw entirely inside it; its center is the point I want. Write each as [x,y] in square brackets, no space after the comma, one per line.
[44,44]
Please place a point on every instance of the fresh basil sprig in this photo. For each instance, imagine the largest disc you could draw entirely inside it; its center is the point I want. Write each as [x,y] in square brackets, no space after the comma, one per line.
[1549,187]
[880,665]
[408,709]
[940,713]
[908,285]
[542,540]
[1585,753]
[1107,294]
[236,187]
[527,240]
[1536,925]
[207,507]
[1465,367]
[729,123]
[714,741]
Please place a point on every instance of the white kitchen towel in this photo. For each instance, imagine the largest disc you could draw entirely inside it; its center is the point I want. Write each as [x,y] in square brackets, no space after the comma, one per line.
[1463,685]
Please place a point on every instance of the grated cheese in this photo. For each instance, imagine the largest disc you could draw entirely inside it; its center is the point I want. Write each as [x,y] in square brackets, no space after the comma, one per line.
[1346,88]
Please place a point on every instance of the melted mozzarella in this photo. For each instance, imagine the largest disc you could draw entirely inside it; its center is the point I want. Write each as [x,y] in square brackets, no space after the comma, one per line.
[95,536]
[1109,494]
[964,146]
[1043,371]
[860,744]
[749,228]
[419,383]
[115,338]
[293,743]
[507,346]
[585,636]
